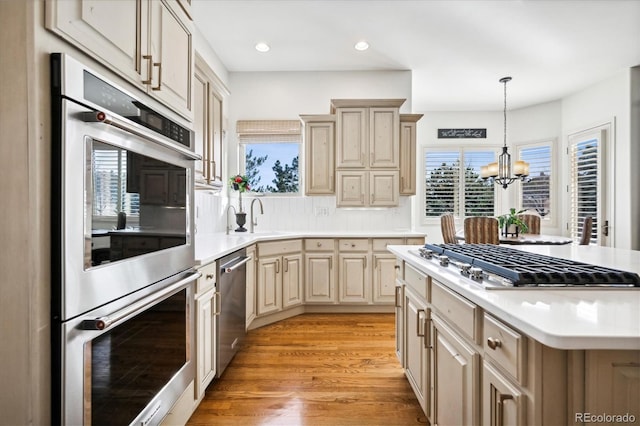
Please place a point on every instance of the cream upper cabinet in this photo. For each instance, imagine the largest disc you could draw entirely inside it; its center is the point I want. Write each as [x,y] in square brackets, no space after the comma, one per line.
[209,96]
[151,45]
[384,135]
[319,148]
[353,188]
[383,188]
[408,125]
[352,137]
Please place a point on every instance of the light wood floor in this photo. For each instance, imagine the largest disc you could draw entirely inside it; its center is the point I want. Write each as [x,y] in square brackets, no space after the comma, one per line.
[314,369]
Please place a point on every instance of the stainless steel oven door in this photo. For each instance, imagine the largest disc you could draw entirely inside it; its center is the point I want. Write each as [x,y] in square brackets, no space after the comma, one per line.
[98,262]
[129,361]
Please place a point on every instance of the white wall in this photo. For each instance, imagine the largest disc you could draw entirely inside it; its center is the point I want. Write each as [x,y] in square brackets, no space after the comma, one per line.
[609,101]
[286,95]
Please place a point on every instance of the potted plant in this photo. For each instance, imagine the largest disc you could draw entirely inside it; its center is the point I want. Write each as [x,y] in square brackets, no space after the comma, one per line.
[511,224]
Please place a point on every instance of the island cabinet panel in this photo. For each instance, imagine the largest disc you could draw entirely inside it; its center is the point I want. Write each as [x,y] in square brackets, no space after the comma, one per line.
[417,341]
[503,403]
[612,383]
[456,381]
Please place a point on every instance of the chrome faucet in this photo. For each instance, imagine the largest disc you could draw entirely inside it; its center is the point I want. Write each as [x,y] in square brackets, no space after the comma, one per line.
[234,212]
[254,222]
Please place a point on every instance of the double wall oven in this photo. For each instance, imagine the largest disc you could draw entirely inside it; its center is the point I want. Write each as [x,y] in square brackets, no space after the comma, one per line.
[122,252]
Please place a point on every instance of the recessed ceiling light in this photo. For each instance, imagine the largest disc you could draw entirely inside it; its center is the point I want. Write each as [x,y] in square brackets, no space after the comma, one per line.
[262,47]
[361,45]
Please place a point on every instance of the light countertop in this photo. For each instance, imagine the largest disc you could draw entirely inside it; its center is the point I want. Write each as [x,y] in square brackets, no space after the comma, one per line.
[559,318]
[214,246]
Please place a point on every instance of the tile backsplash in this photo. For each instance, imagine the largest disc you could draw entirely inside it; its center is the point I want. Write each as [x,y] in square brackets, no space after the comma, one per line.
[292,214]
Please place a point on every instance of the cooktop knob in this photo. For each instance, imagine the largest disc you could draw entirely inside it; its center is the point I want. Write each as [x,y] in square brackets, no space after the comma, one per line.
[476,274]
[444,260]
[426,253]
[464,268]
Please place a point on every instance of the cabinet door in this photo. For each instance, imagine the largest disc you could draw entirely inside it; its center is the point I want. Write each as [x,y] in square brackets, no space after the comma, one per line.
[206,340]
[354,283]
[456,381]
[416,316]
[384,278]
[384,134]
[154,186]
[502,402]
[407,158]
[383,188]
[320,282]
[215,152]
[352,188]
[89,24]
[201,124]
[399,311]
[171,51]
[352,139]
[178,188]
[319,147]
[269,285]
[291,280]
[251,285]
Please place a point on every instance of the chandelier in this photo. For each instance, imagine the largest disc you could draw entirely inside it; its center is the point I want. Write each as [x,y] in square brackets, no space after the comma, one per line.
[500,172]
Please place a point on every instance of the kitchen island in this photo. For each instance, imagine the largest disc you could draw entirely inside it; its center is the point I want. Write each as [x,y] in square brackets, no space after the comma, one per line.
[519,355]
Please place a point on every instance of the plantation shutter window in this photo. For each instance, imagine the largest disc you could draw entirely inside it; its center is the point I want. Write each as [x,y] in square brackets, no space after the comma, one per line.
[584,186]
[110,194]
[536,191]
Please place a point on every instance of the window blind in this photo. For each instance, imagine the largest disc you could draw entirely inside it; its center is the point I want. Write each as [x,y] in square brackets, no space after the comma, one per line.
[109,184]
[584,185]
[448,185]
[536,192]
[268,131]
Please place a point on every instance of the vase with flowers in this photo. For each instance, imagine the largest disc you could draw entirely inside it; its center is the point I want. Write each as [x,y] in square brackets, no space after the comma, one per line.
[240,183]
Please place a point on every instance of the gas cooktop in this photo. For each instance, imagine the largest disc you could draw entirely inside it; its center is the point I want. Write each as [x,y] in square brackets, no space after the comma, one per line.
[505,267]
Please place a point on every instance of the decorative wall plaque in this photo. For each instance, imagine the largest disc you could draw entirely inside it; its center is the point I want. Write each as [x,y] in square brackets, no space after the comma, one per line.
[462,133]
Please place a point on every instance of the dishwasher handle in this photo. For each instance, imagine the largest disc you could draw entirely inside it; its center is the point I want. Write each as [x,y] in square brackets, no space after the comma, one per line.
[225,269]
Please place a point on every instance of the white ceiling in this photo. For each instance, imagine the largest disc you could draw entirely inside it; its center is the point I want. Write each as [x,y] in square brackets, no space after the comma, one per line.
[457,50]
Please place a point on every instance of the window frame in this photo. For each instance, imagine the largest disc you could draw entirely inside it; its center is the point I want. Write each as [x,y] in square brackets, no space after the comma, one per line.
[461,148]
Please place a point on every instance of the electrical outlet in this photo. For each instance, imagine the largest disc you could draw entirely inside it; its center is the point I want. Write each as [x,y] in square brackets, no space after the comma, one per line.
[322,211]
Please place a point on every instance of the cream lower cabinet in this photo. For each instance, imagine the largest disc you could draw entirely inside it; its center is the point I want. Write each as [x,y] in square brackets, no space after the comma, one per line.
[151,45]
[279,276]
[354,275]
[206,300]
[384,277]
[456,381]
[251,285]
[503,403]
[320,282]
[416,341]
[399,317]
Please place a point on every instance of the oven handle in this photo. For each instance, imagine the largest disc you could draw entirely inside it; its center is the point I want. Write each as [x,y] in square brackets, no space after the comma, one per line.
[103,117]
[102,323]
[226,270]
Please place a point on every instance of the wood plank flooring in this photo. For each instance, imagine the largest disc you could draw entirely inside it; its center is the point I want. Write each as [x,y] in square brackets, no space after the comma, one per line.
[314,369]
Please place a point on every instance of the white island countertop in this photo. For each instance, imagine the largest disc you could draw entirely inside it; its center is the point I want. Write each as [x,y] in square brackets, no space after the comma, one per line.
[560,318]
[214,246]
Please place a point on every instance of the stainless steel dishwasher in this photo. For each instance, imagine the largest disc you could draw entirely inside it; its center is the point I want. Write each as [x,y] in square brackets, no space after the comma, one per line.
[231,321]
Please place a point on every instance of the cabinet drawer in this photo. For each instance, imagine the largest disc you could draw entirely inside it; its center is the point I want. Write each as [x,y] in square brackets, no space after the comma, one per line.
[414,241]
[505,346]
[279,247]
[208,278]
[457,310]
[417,281]
[319,244]
[361,244]
[380,244]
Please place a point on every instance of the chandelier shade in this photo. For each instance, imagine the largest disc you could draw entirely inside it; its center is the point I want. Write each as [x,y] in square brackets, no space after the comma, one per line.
[500,172]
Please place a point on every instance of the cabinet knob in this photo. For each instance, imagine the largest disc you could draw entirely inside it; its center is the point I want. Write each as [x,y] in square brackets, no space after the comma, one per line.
[494,343]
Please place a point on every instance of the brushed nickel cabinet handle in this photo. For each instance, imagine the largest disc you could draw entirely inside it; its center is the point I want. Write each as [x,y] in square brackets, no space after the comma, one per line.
[418,316]
[149,58]
[159,65]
